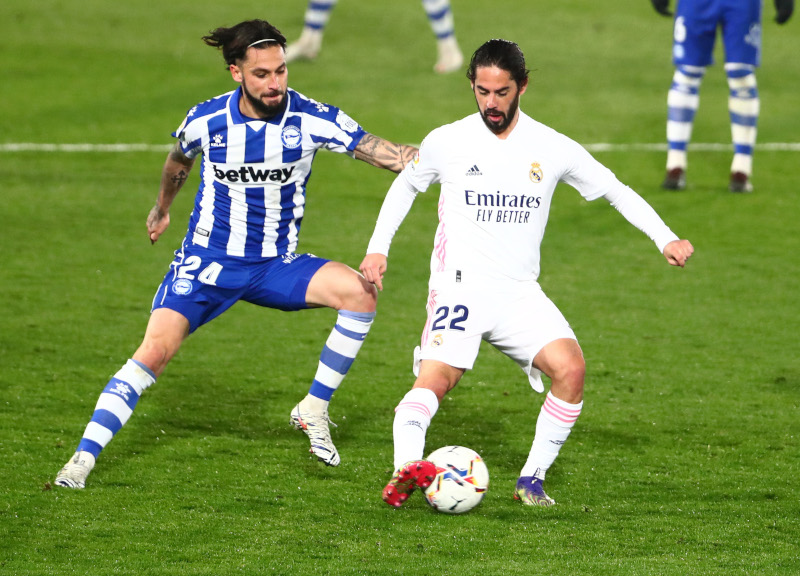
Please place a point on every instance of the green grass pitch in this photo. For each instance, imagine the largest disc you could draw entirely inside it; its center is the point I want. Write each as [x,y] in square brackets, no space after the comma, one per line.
[686,457]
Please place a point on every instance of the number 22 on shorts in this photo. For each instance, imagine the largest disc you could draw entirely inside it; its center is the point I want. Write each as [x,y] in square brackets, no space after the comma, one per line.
[444,320]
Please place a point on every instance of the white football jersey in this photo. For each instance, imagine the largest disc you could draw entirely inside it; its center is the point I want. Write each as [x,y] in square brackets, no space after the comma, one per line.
[496,194]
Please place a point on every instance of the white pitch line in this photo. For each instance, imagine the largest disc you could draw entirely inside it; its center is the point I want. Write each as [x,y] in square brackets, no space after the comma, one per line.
[699,146]
[596,147]
[85,147]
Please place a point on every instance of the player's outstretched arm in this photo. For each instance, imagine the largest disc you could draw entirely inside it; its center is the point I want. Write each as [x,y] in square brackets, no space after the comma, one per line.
[173,176]
[662,7]
[395,207]
[384,154]
[372,267]
[783,10]
[678,252]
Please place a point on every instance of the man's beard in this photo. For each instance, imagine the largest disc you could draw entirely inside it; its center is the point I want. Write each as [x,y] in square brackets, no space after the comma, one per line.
[500,127]
[265,110]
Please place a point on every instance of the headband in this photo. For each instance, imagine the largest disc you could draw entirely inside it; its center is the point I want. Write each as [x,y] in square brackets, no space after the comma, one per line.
[262,41]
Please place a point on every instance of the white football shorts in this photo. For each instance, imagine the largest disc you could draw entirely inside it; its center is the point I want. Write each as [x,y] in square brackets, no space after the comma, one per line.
[517,318]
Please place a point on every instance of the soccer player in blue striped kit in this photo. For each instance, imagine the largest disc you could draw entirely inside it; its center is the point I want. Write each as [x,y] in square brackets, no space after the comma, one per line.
[440,17]
[257,145]
[696,23]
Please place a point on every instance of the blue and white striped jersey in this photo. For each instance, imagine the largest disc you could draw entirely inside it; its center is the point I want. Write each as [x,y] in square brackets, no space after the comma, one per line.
[254,172]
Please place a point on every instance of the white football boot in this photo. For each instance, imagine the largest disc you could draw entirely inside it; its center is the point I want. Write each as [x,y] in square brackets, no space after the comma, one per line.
[450,58]
[315,426]
[307,47]
[75,471]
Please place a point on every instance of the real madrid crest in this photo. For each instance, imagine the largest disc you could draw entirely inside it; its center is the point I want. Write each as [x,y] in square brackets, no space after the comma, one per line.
[536,173]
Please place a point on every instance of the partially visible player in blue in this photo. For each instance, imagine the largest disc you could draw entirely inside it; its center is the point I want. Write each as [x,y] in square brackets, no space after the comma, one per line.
[696,24]
[257,145]
[440,17]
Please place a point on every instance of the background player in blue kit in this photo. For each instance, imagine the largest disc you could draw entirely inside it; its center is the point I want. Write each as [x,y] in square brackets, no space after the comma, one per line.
[440,16]
[257,145]
[696,23]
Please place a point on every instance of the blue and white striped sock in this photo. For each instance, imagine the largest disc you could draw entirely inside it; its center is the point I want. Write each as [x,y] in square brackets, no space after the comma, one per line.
[440,17]
[682,103]
[318,12]
[115,405]
[339,352]
[743,105]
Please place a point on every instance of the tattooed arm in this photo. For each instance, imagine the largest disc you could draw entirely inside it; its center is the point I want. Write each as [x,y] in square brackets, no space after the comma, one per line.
[176,171]
[384,154]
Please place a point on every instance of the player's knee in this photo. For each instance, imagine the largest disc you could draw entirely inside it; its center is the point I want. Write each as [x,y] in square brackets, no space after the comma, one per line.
[568,378]
[370,291]
[742,81]
[154,354]
[438,377]
[436,383]
[686,83]
[574,371]
[362,298]
[689,74]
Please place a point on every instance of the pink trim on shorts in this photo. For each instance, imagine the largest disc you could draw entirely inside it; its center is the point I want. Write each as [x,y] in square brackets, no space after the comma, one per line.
[426,331]
[440,243]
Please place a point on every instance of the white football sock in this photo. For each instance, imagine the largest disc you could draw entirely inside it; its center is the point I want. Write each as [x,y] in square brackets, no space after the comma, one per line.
[553,426]
[411,420]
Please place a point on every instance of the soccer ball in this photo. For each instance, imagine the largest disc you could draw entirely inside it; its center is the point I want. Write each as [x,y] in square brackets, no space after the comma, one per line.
[461,481]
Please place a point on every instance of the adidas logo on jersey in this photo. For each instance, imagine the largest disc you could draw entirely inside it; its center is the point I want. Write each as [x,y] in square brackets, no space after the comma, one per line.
[474,171]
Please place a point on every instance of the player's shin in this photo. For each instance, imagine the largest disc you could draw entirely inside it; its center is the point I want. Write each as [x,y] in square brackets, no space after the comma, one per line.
[115,405]
[411,420]
[337,357]
[744,107]
[682,103]
[553,427]
[113,409]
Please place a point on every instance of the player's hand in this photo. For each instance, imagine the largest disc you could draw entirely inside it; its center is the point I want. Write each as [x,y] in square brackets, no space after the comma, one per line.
[372,267]
[157,223]
[784,9]
[678,252]
[662,6]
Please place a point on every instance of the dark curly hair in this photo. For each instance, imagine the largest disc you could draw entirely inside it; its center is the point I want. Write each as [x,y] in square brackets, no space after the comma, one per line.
[504,54]
[235,41]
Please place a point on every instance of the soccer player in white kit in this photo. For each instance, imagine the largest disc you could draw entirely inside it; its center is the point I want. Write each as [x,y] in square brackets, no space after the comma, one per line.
[497,169]
[257,145]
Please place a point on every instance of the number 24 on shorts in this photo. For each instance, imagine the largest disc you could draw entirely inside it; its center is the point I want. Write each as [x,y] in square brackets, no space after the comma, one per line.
[209,274]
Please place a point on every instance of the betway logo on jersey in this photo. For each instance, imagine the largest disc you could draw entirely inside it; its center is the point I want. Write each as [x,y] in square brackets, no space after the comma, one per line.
[248,174]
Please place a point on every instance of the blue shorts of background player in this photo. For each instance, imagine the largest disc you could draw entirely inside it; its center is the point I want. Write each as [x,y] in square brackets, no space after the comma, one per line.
[696,24]
[201,284]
